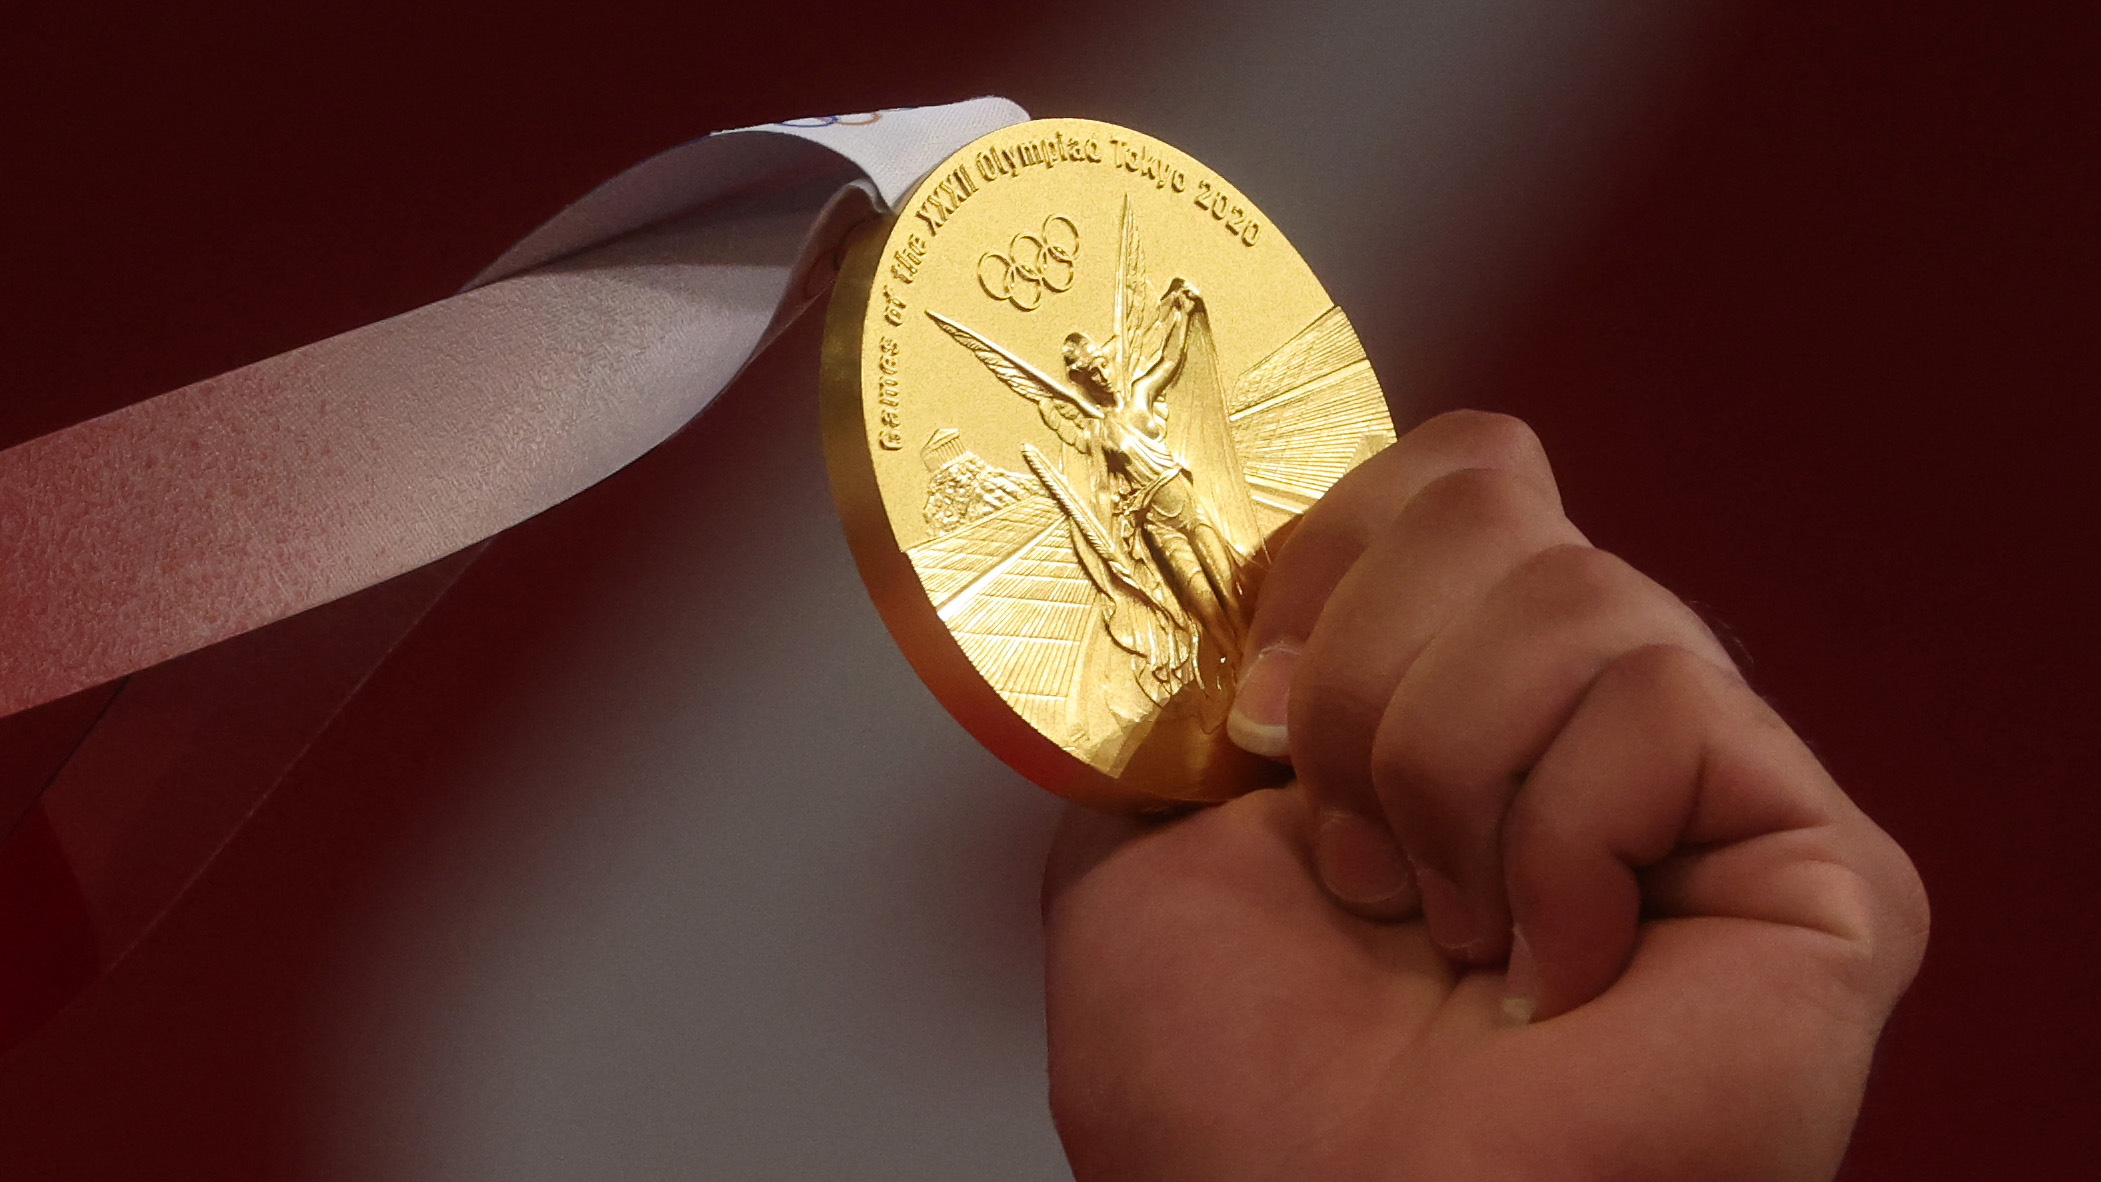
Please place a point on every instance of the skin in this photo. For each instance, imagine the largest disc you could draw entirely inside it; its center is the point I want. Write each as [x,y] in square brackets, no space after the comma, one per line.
[1498,729]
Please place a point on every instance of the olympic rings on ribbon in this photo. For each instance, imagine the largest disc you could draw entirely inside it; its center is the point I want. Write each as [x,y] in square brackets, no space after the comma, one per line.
[1033,264]
[860,120]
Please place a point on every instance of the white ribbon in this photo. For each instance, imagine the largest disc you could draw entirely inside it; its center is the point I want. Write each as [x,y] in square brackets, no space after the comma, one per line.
[220,507]
[278,492]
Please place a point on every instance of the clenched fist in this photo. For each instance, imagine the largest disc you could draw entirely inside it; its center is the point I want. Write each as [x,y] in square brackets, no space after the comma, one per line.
[1554,896]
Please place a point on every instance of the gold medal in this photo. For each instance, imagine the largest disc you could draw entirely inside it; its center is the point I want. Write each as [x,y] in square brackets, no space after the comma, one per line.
[1073,387]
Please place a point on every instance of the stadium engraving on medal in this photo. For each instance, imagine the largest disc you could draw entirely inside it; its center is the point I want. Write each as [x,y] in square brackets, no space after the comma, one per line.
[1061,505]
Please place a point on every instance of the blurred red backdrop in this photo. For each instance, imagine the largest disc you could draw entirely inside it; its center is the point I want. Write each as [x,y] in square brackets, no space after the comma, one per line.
[1824,364]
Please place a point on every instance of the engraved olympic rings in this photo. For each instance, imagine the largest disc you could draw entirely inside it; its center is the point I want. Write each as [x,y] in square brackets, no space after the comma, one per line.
[1032,265]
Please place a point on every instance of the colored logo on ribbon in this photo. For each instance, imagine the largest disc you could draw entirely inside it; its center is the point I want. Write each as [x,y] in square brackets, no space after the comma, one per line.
[862,119]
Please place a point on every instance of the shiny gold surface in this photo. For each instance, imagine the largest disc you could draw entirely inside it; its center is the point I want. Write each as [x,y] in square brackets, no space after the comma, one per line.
[1071,390]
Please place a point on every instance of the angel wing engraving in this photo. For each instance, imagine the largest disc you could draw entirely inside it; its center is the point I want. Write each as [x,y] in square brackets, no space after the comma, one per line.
[1134,302]
[1064,411]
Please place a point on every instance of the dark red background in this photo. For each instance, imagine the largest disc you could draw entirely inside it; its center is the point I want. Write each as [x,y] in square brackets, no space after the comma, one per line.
[1826,366]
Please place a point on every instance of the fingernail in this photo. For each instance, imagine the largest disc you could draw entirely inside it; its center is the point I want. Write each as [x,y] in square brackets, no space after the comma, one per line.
[1256,721]
[1520,982]
[1445,912]
[1358,861]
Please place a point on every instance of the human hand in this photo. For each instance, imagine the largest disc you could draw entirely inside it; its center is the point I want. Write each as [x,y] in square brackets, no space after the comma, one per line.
[1555,896]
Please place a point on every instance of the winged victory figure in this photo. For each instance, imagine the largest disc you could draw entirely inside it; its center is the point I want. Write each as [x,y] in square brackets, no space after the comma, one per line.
[1158,512]
[1163,548]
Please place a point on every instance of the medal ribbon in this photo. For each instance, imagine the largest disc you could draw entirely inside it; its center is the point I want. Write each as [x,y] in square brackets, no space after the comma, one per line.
[285,524]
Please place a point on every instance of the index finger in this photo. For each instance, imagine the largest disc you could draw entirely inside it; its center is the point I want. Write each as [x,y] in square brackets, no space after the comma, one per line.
[1331,537]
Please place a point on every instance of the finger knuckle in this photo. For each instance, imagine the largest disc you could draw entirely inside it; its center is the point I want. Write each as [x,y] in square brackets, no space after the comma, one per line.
[1670,671]
[1572,583]
[1494,435]
[1674,675]
[1496,440]
[1912,908]
[1484,499]
[1902,902]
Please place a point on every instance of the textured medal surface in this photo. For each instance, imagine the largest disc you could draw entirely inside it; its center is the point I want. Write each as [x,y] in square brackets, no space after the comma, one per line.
[1072,390]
